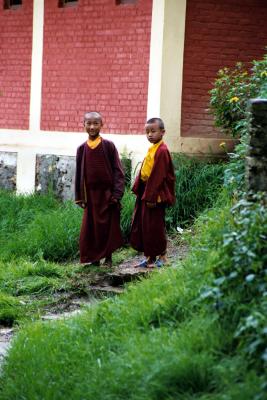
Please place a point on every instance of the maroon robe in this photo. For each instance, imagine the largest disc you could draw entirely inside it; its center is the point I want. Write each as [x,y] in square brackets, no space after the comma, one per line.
[148,233]
[99,180]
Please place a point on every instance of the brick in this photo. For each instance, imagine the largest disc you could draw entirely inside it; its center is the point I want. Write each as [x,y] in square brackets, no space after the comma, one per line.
[88,76]
[218,34]
[15,62]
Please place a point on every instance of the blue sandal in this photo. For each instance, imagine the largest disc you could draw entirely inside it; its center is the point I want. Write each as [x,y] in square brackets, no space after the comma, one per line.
[159,263]
[143,264]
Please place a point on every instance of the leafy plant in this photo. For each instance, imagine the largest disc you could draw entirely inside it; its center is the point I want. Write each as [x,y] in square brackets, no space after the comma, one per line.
[234,174]
[240,287]
[232,90]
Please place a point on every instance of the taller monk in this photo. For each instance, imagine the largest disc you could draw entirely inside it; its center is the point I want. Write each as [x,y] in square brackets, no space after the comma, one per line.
[99,186]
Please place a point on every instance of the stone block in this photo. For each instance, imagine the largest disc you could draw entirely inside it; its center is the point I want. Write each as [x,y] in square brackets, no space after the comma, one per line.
[256,173]
[55,173]
[8,170]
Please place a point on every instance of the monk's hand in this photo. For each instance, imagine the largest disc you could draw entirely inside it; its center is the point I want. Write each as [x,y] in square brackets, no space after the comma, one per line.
[81,204]
[151,205]
[113,200]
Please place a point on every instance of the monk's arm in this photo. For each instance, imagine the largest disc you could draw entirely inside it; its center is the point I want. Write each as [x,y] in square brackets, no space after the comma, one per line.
[161,181]
[78,200]
[118,176]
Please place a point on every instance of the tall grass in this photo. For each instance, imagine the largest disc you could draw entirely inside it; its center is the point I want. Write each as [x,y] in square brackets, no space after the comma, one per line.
[40,226]
[127,203]
[16,211]
[10,309]
[27,287]
[198,184]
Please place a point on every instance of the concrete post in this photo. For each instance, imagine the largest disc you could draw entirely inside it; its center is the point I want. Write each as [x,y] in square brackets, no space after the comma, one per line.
[256,166]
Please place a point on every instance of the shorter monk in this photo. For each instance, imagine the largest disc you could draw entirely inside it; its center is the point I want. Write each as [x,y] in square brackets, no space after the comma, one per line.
[154,190]
[99,186]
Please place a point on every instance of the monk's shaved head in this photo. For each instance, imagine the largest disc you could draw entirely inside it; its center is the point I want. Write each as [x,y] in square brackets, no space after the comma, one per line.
[93,114]
[157,121]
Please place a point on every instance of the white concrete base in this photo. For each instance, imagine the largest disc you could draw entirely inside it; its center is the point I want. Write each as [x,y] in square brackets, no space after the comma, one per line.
[205,147]
[27,145]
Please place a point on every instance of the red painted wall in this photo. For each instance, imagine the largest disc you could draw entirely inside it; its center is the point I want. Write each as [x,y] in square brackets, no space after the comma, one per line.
[15,65]
[96,57]
[218,34]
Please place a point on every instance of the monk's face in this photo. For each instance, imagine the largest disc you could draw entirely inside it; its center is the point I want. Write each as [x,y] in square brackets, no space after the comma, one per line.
[92,125]
[153,132]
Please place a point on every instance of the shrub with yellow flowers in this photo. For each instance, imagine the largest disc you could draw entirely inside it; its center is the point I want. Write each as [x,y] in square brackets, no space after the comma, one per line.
[231,92]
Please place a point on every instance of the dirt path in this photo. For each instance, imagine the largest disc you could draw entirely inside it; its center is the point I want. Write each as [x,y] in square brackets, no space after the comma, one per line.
[103,285]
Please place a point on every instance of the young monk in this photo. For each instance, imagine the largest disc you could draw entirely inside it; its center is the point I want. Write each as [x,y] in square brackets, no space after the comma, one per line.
[99,186]
[154,188]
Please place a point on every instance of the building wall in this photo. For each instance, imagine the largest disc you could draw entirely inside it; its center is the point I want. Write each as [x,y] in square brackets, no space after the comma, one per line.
[217,34]
[127,62]
[15,65]
[96,57]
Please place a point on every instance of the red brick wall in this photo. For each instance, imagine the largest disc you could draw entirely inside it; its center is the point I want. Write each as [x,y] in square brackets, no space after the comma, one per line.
[96,57]
[15,65]
[218,34]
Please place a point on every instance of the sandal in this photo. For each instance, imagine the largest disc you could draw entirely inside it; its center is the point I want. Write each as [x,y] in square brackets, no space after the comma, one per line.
[159,263]
[143,264]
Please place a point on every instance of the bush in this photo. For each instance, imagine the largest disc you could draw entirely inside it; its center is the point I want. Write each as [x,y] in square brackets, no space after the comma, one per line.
[235,170]
[240,286]
[232,89]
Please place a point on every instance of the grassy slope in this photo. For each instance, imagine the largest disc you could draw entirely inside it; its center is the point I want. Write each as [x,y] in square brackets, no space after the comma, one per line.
[157,341]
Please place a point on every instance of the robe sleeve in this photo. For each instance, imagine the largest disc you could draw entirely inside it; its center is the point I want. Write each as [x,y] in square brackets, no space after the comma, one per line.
[78,175]
[117,171]
[118,185]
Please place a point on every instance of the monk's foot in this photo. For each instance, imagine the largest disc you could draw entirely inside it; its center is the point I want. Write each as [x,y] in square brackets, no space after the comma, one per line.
[142,264]
[95,263]
[108,262]
[147,263]
[164,259]
[161,261]
[150,262]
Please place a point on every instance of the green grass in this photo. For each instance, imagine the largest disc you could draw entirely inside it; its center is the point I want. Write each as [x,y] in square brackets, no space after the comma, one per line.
[159,340]
[28,288]
[153,342]
[10,309]
[129,347]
